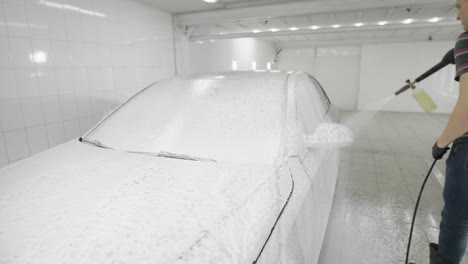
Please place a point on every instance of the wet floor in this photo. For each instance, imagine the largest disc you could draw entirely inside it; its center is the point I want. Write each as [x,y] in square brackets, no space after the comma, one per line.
[380,177]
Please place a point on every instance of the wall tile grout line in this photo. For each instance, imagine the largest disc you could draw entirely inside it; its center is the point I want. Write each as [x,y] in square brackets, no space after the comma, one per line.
[73,45]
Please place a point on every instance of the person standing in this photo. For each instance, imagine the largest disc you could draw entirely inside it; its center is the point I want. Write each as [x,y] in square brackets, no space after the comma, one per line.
[453,238]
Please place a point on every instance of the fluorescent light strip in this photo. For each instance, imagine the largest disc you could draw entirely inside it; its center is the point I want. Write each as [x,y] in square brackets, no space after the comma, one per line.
[407,21]
[435,19]
[234,65]
[38,57]
[71,8]
[359,24]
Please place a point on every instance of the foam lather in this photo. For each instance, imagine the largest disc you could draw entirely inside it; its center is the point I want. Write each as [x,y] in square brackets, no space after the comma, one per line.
[331,134]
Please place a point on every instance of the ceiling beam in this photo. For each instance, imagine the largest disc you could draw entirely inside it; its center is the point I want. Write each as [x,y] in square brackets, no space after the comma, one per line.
[332,18]
[294,9]
[360,41]
[452,10]
[389,13]
[248,3]
[445,24]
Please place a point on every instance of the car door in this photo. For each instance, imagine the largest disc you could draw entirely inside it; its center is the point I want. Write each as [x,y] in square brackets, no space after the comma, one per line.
[320,166]
[299,233]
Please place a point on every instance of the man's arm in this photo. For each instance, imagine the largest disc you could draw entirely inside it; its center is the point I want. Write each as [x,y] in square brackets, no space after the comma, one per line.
[458,122]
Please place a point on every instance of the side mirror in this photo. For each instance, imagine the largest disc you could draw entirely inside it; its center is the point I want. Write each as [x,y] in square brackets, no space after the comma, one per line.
[330,134]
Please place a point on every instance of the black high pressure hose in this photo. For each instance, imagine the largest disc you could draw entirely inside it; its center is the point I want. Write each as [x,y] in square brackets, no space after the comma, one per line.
[416,210]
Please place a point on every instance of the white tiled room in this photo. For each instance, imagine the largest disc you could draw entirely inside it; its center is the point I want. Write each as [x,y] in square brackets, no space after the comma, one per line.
[233,131]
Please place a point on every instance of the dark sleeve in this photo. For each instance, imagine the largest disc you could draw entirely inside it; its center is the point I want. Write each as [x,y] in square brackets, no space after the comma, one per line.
[461,55]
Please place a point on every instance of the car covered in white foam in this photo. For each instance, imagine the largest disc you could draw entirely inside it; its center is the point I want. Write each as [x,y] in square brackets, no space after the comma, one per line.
[212,168]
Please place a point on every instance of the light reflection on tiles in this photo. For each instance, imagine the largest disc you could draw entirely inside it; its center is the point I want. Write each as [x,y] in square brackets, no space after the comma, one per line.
[380,178]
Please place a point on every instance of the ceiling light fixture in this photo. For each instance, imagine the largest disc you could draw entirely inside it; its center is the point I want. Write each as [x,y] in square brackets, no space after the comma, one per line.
[211,1]
[314,27]
[255,31]
[382,23]
[293,28]
[407,21]
[234,65]
[38,57]
[336,26]
[274,30]
[359,24]
[435,19]
[71,8]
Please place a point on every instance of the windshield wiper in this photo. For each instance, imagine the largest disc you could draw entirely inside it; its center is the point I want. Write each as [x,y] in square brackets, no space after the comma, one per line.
[95,142]
[170,155]
[161,154]
[181,156]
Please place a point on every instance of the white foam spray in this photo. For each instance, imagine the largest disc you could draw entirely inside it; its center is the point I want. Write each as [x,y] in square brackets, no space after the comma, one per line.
[360,119]
[342,135]
[331,134]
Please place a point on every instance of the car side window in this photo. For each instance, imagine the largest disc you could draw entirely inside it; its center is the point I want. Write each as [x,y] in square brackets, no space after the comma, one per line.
[324,97]
[310,109]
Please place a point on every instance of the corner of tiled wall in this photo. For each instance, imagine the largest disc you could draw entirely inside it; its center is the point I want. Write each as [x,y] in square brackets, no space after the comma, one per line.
[63,63]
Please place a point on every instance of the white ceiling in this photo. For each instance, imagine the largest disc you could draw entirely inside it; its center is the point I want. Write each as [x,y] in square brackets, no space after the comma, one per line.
[200,21]
[188,6]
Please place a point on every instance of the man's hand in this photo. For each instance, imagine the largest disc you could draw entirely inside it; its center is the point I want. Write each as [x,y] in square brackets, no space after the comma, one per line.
[438,152]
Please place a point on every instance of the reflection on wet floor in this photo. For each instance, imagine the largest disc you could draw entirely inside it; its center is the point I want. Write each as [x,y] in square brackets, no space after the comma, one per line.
[379,181]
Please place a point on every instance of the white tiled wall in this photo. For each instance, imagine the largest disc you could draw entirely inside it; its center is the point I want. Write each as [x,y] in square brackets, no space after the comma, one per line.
[63,63]
[416,58]
[345,62]
[363,81]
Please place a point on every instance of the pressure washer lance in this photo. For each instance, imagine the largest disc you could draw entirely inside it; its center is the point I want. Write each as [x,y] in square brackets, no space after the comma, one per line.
[423,99]
[428,105]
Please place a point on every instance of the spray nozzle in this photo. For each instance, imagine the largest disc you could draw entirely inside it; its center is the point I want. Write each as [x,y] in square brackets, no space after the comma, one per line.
[449,58]
[408,85]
